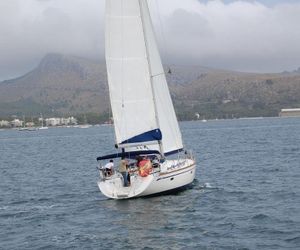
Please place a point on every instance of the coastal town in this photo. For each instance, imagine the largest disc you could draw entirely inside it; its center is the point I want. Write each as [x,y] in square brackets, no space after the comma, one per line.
[40,122]
[16,122]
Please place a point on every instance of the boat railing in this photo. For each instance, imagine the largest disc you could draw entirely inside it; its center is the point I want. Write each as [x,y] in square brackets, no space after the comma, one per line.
[102,172]
[189,155]
[105,174]
[132,169]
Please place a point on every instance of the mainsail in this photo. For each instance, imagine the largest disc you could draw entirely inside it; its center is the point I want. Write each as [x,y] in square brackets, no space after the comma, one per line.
[141,104]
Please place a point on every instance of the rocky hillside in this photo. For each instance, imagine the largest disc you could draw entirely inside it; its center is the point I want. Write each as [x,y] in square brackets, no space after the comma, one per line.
[226,94]
[70,85]
[60,84]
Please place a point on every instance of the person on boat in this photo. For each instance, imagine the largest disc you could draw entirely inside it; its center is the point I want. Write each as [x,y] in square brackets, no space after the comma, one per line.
[144,166]
[155,162]
[138,160]
[123,171]
[108,168]
[128,174]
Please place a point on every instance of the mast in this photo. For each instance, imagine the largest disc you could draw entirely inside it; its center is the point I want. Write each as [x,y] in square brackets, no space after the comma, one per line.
[42,120]
[150,72]
[164,110]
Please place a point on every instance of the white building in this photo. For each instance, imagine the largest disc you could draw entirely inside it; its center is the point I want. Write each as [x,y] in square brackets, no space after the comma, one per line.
[16,123]
[29,124]
[4,124]
[56,121]
[53,121]
[289,112]
[73,121]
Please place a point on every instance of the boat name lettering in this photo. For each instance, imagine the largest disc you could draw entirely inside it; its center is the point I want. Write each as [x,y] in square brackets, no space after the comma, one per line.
[177,165]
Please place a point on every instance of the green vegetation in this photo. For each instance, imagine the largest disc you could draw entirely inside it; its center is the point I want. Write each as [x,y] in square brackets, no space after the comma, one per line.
[26,107]
[225,111]
[92,118]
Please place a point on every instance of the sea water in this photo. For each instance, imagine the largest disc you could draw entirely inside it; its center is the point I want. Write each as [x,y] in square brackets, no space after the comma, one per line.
[246,194]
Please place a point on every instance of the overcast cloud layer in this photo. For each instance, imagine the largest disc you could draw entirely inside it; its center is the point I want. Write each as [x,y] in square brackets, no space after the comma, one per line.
[258,36]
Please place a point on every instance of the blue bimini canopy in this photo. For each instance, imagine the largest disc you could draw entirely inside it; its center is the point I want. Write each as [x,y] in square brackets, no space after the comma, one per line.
[129,155]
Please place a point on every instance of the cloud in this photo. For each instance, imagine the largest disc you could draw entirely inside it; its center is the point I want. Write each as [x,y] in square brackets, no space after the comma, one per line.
[33,28]
[238,35]
[241,35]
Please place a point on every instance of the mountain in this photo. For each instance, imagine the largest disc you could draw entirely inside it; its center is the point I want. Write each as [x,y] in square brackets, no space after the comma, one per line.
[59,85]
[226,94]
[67,85]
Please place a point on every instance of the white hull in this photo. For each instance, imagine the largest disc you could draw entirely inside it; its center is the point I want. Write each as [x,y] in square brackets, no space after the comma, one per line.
[27,129]
[42,128]
[174,174]
[85,126]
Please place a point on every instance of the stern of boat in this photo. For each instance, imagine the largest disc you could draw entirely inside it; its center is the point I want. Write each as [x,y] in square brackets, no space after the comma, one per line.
[112,187]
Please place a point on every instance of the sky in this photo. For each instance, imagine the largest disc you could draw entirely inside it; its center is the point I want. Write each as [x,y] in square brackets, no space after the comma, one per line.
[250,36]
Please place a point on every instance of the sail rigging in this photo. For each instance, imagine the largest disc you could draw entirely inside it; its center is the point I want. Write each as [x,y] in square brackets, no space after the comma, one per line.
[140,99]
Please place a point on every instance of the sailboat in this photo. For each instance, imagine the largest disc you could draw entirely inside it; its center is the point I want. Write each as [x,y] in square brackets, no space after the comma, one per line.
[42,121]
[25,128]
[145,122]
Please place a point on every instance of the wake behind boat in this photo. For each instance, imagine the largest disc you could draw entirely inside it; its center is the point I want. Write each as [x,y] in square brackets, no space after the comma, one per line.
[146,127]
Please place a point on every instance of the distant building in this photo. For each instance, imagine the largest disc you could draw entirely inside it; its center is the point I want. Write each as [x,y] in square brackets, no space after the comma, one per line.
[56,121]
[68,121]
[16,123]
[53,121]
[73,121]
[290,112]
[29,124]
[4,124]
[64,121]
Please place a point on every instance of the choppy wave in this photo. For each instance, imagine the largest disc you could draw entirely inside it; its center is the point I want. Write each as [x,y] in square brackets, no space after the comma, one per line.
[245,195]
